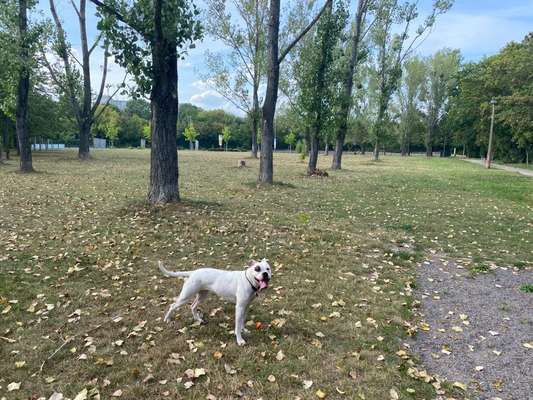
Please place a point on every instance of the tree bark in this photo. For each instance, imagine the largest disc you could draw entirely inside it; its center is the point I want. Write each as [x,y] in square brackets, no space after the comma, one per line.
[375,154]
[313,154]
[255,128]
[23,136]
[429,140]
[266,167]
[163,187]
[348,86]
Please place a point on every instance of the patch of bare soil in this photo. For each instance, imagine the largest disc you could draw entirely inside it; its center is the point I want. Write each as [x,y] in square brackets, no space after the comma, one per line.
[480,328]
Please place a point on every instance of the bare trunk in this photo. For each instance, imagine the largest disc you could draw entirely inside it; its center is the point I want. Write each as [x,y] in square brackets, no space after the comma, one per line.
[348,86]
[313,154]
[429,140]
[85,133]
[254,132]
[266,167]
[23,88]
[326,149]
[163,186]
[375,154]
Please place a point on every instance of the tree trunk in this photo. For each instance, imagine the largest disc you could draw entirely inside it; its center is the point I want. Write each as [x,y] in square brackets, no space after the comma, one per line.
[326,149]
[163,186]
[266,167]
[429,140]
[7,143]
[375,154]
[254,131]
[23,135]
[403,144]
[313,154]
[348,86]
[85,134]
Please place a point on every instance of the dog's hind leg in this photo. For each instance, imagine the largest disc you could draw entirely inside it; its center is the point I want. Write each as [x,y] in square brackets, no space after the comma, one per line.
[194,306]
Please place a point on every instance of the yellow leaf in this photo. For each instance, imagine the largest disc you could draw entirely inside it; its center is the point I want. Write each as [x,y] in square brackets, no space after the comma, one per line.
[320,394]
[459,385]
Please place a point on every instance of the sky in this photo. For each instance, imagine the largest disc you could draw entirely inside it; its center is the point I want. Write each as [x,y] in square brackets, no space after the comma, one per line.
[477,27]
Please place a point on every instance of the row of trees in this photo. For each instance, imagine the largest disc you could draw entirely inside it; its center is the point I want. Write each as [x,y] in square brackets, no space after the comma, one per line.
[342,76]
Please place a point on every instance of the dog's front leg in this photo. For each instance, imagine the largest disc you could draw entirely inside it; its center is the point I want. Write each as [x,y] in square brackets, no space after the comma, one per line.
[240,315]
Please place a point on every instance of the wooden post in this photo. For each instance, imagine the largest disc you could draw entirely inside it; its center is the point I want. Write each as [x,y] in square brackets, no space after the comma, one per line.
[491,134]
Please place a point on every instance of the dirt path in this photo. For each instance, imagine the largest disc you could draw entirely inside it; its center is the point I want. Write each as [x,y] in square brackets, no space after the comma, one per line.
[480,329]
[522,171]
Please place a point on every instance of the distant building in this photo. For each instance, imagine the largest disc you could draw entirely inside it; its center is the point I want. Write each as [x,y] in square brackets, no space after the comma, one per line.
[120,104]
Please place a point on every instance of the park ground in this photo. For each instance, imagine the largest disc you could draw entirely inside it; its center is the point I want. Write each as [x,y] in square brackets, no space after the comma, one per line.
[82,300]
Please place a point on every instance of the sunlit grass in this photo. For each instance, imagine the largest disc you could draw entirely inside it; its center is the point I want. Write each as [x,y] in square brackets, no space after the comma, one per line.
[80,236]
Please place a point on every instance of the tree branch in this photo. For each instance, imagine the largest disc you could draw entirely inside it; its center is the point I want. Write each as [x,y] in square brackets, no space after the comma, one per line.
[95,43]
[303,32]
[75,8]
[99,112]
[102,84]
[110,10]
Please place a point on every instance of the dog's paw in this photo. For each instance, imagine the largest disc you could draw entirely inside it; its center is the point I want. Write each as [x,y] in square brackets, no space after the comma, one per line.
[241,342]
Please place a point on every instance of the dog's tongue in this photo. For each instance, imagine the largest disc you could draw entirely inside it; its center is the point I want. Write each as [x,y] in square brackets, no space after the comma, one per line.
[263,285]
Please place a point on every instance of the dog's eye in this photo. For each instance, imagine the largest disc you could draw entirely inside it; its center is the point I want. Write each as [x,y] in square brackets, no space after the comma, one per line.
[257,269]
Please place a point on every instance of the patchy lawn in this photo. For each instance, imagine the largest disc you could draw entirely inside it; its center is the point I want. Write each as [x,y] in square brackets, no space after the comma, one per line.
[82,300]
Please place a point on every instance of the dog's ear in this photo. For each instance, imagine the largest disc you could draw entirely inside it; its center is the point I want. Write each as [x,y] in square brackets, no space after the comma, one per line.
[251,263]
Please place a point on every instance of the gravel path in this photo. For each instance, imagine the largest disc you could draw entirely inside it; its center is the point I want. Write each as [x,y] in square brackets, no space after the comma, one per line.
[522,171]
[480,329]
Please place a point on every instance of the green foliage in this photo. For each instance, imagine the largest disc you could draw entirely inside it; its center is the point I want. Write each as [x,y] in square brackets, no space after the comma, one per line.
[527,288]
[133,41]
[300,149]
[226,134]
[190,133]
[107,125]
[316,73]
[508,78]
[290,139]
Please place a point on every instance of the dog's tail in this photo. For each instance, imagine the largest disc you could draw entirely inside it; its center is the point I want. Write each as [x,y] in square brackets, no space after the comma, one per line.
[175,274]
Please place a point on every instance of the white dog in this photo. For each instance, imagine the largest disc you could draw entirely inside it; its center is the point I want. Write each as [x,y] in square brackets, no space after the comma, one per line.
[238,287]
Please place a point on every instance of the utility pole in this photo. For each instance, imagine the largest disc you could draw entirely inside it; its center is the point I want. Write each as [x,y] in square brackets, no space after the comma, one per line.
[491,135]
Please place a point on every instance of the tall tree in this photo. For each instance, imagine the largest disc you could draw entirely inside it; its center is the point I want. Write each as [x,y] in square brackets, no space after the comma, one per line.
[409,97]
[235,75]
[274,59]
[67,78]
[346,98]
[393,49]
[441,71]
[23,88]
[318,76]
[146,37]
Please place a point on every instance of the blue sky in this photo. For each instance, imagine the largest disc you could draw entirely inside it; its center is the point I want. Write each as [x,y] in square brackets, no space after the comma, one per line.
[477,27]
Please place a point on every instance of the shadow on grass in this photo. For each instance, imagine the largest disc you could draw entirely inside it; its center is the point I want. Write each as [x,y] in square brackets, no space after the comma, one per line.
[277,184]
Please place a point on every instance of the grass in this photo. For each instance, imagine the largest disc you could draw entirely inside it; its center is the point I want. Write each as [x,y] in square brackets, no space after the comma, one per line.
[78,247]
[527,288]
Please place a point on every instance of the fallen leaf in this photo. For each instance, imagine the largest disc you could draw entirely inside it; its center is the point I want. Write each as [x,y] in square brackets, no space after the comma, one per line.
[81,395]
[117,393]
[56,396]
[13,386]
[320,394]
[459,385]
[280,356]
[394,394]
[307,384]
[271,378]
